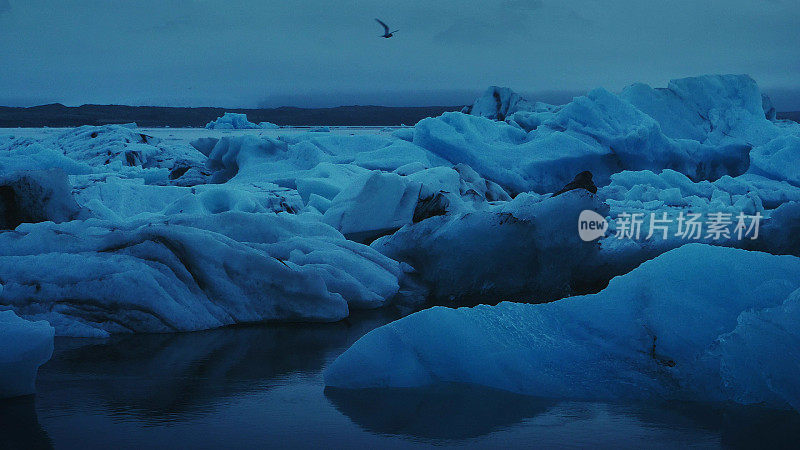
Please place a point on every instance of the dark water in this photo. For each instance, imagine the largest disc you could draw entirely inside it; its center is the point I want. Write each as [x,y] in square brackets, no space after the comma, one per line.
[262,386]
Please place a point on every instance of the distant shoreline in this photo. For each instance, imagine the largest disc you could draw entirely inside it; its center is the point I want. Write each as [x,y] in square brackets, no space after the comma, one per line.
[57,115]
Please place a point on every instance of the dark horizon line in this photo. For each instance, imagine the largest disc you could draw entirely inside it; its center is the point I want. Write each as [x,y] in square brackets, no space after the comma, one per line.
[786,99]
[259,108]
[232,108]
[59,115]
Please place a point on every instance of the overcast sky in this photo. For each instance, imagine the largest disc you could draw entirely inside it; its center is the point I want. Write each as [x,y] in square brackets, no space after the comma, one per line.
[238,53]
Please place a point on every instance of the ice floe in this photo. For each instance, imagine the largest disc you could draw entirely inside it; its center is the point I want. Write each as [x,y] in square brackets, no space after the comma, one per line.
[24,346]
[686,325]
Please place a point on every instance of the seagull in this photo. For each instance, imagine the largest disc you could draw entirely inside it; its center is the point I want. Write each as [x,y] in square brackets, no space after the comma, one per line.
[386,33]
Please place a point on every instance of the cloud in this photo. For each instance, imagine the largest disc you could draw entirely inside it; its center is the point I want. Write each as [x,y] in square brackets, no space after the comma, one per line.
[490,24]
[323,53]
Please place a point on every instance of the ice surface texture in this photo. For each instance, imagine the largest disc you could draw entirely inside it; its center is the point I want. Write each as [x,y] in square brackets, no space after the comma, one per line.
[116,229]
[697,323]
[188,272]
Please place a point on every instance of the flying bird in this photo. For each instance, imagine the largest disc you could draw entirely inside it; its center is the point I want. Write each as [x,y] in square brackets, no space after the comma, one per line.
[386,33]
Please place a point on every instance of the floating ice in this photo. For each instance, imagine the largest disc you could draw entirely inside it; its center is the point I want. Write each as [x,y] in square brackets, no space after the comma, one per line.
[526,247]
[497,103]
[24,346]
[188,272]
[232,121]
[682,326]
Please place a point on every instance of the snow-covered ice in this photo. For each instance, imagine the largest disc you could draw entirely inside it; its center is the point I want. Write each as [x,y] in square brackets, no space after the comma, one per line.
[24,346]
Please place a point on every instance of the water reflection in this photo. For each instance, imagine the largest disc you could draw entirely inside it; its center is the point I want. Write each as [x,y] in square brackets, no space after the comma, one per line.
[738,426]
[444,412]
[169,377]
[453,413]
[254,386]
[19,425]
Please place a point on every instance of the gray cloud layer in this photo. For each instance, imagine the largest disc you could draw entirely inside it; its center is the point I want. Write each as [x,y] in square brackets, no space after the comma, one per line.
[322,53]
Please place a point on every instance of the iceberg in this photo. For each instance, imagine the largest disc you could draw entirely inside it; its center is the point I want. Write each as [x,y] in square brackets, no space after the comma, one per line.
[24,346]
[677,327]
[598,132]
[121,150]
[36,196]
[188,272]
[121,199]
[703,127]
[778,160]
[233,121]
[497,103]
[713,109]
[512,250]
[457,205]
[268,126]
[373,203]
[120,146]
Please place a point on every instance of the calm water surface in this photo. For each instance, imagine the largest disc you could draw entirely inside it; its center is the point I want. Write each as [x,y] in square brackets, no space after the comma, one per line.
[261,386]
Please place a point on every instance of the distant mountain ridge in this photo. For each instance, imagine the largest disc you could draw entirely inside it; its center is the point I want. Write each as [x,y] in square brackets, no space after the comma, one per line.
[58,115]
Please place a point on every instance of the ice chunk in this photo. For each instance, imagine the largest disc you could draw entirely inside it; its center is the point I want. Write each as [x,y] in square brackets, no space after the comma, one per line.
[599,132]
[36,196]
[651,334]
[769,109]
[497,103]
[204,145]
[232,153]
[638,142]
[502,153]
[116,145]
[287,159]
[20,154]
[231,121]
[454,189]
[713,109]
[779,159]
[527,249]
[374,203]
[24,346]
[121,199]
[119,149]
[268,126]
[405,134]
[188,272]
[394,156]
[760,358]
